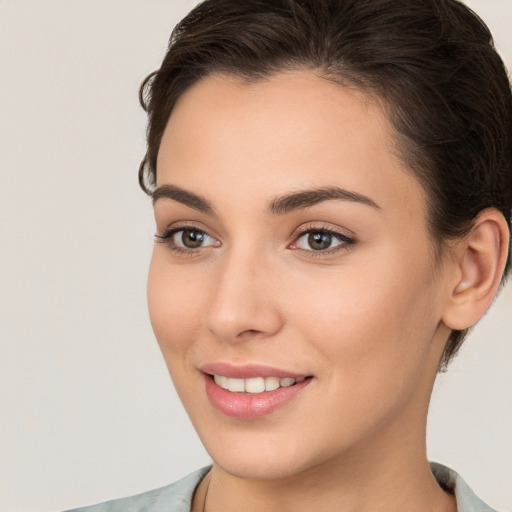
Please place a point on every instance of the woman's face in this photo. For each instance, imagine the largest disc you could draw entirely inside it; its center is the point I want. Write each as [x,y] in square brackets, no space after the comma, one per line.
[294,247]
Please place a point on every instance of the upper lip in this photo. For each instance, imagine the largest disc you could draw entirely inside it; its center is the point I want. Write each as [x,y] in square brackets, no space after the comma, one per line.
[247,371]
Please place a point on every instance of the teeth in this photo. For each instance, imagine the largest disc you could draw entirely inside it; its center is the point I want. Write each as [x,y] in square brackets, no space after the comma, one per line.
[237,385]
[256,384]
[221,381]
[272,383]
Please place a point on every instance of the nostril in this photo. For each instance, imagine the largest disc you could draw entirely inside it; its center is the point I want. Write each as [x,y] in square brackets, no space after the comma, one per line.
[249,333]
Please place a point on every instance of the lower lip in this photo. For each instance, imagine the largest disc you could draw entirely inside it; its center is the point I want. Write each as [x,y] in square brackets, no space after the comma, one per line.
[250,406]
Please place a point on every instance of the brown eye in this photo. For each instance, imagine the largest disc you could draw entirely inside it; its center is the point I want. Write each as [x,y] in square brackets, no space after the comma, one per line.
[319,241]
[187,239]
[190,238]
[322,241]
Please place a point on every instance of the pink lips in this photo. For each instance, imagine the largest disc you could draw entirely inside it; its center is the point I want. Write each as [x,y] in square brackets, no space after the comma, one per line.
[249,406]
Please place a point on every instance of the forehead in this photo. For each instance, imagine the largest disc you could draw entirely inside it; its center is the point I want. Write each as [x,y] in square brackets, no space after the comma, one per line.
[294,130]
[298,106]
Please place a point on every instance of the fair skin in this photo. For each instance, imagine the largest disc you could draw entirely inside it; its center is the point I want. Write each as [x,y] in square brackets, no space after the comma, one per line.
[343,290]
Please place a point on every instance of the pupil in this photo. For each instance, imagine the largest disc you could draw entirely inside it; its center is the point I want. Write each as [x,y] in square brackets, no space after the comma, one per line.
[192,239]
[319,241]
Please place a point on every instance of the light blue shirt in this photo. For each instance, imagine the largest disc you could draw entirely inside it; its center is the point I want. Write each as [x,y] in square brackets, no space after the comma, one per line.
[177,497]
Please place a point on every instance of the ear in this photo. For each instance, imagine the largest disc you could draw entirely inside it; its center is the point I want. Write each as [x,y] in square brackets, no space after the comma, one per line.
[481,258]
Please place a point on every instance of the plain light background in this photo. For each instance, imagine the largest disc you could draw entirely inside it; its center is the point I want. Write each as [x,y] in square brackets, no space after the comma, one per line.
[87,410]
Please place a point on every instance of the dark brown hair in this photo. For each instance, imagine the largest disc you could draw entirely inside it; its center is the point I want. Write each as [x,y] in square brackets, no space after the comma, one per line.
[432,62]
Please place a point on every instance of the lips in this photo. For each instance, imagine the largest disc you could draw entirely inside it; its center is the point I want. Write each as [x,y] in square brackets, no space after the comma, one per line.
[248,370]
[251,392]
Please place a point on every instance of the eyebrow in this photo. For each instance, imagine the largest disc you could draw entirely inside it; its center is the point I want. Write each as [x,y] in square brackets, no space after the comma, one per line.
[307,198]
[278,206]
[183,196]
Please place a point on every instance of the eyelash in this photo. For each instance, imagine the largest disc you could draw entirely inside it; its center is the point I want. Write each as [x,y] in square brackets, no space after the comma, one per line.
[167,238]
[346,242]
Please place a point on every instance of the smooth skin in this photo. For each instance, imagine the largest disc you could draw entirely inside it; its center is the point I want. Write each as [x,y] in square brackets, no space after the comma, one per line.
[367,314]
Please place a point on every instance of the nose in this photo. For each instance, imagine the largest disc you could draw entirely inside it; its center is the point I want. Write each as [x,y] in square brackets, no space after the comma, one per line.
[244,303]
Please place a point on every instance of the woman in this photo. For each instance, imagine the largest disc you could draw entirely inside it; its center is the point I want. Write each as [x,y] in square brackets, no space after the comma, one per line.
[332,187]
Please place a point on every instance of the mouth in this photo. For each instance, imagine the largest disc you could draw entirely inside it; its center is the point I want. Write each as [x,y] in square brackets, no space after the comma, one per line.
[252,392]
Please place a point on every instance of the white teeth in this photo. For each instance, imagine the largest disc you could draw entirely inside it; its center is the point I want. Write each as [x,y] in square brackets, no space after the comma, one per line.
[221,381]
[237,385]
[287,381]
[271,383]
[255,384]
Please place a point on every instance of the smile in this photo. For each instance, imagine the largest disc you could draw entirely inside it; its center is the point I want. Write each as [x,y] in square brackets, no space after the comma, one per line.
[251,392]
[255,385]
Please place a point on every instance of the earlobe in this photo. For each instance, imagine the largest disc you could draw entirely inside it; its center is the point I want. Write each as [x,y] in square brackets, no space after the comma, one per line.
[483,254]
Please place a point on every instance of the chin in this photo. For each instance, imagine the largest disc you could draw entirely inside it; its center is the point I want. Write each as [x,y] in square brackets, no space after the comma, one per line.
[263,456]
[259,468]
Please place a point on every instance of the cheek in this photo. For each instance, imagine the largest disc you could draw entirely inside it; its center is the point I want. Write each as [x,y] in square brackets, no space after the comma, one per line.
[371,319]
[371,341]
[174,301]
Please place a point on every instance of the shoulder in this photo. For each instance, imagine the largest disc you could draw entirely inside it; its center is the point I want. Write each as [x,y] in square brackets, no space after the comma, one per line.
[449,480]
[176,497]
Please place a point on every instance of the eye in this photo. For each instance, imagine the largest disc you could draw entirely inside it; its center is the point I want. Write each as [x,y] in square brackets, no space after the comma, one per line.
[187,239]
[190,238]
[322,240]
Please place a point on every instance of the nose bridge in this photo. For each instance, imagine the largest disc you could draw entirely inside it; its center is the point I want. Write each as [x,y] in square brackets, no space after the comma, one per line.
[243,302]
